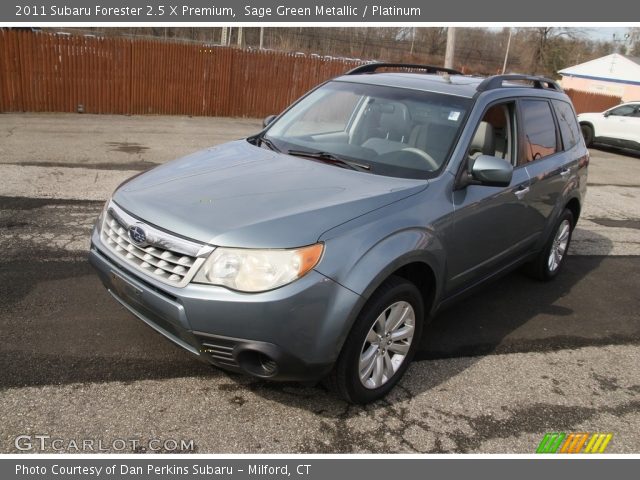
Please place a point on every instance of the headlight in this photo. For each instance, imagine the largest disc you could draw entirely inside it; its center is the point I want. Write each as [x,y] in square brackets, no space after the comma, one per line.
[257,270]
[100,220]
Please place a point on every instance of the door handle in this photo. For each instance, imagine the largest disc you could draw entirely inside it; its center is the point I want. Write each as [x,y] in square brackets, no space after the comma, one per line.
[521,192]
[564,172]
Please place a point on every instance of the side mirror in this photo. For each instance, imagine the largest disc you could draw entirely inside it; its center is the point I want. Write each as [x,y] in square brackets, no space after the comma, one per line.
[268,120]
[491,171]
[606,114]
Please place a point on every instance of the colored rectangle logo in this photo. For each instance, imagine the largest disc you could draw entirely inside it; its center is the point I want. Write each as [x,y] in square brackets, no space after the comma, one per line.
[576,442]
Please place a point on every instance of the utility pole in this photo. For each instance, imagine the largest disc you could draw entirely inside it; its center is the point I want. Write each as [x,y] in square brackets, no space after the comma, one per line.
[451,47]
[223,36]
[261,37]
[240,36]
[413,39]
[506,54]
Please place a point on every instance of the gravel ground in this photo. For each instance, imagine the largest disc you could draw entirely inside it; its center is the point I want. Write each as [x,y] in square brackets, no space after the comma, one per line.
[494,373]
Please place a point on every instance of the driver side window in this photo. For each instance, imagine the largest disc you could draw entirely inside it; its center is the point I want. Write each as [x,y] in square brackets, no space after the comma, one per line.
[495,134]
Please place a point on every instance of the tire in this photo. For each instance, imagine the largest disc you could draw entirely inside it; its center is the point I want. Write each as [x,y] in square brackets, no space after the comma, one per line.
[544,267]
[397,299]
[587,134]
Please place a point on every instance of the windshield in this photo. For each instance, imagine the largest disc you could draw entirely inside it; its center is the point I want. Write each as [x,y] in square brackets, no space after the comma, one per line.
[394,131]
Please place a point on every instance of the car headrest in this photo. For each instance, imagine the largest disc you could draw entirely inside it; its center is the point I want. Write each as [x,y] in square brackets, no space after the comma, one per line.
[394,117]
[484,140]
[383,107]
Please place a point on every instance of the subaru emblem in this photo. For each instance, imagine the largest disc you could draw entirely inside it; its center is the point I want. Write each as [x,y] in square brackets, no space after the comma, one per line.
[137,235]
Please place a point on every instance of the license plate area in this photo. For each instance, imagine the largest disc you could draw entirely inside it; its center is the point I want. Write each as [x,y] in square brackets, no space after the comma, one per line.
[168,314]
[124,289]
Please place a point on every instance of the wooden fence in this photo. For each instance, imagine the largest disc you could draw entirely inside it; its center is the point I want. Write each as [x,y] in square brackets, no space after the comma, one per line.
[591,102]
[41,72]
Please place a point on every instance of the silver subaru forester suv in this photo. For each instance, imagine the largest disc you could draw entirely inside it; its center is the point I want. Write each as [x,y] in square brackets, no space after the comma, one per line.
[318,248]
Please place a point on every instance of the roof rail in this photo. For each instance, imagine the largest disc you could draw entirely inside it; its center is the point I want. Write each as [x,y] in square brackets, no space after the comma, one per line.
[372,67]
[491,83]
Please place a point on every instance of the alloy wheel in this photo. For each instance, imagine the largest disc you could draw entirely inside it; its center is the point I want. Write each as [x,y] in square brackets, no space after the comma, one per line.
[559,246]
[387,344]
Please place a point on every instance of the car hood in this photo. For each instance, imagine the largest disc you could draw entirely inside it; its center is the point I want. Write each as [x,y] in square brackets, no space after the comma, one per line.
[241,195]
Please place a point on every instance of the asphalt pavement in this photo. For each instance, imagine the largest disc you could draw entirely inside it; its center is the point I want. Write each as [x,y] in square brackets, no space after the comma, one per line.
[494,373]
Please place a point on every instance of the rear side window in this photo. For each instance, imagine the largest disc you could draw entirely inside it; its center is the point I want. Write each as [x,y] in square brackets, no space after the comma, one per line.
[623,111]
[539,130]
[568,124]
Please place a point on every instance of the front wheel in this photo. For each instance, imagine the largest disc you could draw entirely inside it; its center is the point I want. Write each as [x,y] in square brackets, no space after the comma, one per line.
[548,263]
[381,343]
[587,134]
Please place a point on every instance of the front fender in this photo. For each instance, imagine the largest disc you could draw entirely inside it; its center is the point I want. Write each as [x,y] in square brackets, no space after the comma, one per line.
[362,253]
[363,270]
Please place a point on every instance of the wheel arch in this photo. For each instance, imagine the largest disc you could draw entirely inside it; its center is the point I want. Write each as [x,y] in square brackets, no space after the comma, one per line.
[574,206]
[589,124]
[415,268]
[423,277]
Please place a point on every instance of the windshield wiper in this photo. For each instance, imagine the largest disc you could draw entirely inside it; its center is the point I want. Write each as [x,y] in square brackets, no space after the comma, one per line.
[268,143]
[330,158]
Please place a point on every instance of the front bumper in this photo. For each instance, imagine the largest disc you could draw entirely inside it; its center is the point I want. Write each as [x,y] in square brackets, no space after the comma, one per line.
[291,333]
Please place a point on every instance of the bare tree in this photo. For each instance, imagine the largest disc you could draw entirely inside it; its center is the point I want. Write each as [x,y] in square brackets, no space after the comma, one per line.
[634,41]
[478,50]
[550,47]
[432,40]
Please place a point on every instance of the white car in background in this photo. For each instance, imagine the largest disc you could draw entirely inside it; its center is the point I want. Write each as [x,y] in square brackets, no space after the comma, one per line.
[619,126]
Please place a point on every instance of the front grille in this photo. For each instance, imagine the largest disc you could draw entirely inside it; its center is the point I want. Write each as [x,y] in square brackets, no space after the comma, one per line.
[169,259]
[220,351]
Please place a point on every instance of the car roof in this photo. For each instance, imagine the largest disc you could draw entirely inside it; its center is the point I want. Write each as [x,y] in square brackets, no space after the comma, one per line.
[450,84]
[459,85]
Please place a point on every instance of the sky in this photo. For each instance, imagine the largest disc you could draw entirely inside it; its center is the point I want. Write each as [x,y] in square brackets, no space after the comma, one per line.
[606,33]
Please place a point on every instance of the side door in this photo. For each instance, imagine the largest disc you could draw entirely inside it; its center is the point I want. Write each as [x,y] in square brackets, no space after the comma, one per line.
[618,123]
[490,228]
[544,158]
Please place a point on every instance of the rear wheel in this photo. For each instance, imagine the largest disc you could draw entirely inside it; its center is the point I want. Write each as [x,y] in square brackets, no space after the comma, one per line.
[381,343]
[550,260]
[587,133]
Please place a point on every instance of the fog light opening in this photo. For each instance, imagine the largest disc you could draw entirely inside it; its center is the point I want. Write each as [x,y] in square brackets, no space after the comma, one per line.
[257,363]
[268,365]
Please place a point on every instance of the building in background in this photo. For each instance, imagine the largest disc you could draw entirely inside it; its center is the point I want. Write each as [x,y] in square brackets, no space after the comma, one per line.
[613,74]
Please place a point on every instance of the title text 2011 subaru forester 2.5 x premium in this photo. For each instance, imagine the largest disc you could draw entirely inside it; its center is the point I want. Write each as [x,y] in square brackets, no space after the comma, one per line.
[319,247]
